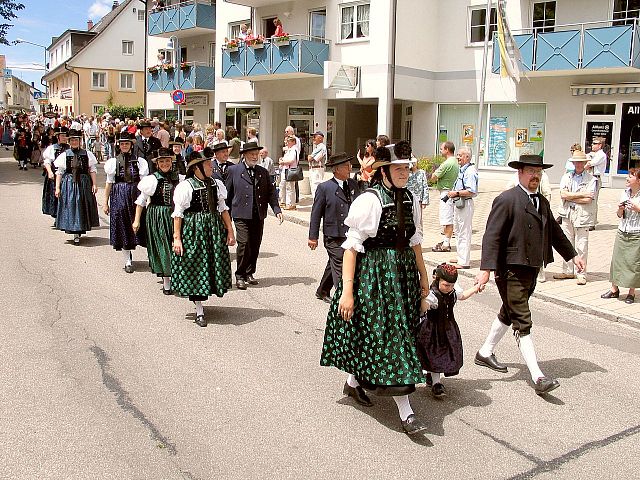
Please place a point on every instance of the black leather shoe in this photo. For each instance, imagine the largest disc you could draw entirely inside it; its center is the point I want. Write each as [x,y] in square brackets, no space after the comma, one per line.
[490,362]
[200,321]
[629,299]
[610,294]
[357,394]
[128,268]
[428,379]
[323,296]
[241,284]
[412,425]
[167,292]
[251,280]
[438,390]
[545,385]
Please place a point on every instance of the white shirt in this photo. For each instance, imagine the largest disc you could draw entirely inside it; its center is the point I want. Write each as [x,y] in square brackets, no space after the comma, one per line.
[319,154]
[598,161]
[184,192]
[61,163]
[364,218]
[147,187]
[111,165]
[48,155]
[267,163]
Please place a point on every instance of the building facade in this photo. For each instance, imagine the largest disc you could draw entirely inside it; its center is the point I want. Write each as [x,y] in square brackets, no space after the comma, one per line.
[18,94]
[102,66]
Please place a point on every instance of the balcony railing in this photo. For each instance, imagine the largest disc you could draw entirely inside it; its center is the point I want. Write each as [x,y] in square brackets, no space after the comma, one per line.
[301,56]
[194,76]
[583,46]
[188,16]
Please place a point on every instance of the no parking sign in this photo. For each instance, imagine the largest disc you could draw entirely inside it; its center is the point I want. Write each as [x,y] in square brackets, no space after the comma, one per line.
[178,97]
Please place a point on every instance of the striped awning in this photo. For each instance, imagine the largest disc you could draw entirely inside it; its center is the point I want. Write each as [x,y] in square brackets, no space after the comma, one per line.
[624,88]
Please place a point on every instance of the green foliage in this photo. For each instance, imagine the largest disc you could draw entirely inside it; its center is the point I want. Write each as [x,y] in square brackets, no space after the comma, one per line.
[7,11]
[429,164]
[122,112]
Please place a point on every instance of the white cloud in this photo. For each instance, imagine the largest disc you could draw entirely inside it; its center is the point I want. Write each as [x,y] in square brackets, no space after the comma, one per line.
[99,9]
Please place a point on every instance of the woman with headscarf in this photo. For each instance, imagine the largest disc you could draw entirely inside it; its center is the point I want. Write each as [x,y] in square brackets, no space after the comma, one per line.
[375,312]
[202,233]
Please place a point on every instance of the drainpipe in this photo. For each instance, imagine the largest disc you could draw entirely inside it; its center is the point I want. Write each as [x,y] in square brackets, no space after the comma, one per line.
[391,88]
[77,75]
[146,53]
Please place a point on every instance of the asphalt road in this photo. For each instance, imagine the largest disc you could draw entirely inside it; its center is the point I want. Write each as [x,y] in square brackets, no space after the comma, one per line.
[102,376]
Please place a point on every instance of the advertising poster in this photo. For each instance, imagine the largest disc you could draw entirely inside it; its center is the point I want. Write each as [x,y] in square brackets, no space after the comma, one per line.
[467,133]
[521,137]
[536,131]
[442,136]
[497,142]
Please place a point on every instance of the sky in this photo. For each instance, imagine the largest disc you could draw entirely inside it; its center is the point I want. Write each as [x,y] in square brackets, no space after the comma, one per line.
[38,23]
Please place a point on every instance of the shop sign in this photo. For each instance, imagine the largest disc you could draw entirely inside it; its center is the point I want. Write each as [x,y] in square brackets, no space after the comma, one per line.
[197,99]
[66,94]
[498,147]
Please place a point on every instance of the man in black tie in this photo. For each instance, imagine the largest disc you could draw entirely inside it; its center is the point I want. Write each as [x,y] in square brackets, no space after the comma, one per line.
[331,205]
[146,144]
[520,236]
[249,192]
[220,163]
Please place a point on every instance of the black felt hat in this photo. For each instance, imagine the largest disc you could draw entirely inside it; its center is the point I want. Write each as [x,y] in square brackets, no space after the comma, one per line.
[250,146]
[529,161]
[126,137]
[339,159]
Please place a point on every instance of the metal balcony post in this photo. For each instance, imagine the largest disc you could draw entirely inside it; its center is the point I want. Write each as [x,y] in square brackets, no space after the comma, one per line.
[581,54]
[633,40]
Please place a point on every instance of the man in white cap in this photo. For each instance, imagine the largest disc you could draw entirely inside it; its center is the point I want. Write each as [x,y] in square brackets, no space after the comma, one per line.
[577,191]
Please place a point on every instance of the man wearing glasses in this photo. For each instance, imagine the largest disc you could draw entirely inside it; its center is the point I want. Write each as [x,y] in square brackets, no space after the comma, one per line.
[597,164]
[519,239]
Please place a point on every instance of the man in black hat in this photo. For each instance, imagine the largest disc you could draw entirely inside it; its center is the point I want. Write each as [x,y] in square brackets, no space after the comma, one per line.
[146,144]
[221,153]
[520,235]
[249,191]
[331,205]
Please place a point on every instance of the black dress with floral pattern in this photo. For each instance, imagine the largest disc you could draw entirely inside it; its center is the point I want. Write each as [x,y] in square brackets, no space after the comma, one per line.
[377,345]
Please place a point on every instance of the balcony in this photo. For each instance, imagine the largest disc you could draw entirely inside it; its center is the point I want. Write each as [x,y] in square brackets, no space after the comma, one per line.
[301,57]
[195,77]
[585,48]
[186,18]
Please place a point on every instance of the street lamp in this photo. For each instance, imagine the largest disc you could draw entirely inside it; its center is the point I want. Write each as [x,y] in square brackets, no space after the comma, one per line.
[21,40]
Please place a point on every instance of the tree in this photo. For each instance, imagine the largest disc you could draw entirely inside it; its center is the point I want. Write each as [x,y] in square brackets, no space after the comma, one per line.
[7,11]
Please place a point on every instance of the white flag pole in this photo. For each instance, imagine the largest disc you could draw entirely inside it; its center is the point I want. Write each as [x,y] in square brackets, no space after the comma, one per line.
[483,83]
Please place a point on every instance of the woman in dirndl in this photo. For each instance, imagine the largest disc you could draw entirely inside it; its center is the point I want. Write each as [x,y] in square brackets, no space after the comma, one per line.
[202,233]
[120,194]
[76,189]
[375,312]
[625,263]
[156,194]
[49,200]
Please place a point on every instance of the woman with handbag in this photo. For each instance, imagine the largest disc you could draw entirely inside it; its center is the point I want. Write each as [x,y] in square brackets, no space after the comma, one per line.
[288,186]
[375,312]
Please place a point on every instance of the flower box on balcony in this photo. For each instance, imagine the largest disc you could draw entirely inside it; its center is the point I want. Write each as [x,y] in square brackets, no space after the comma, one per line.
[281,41]
[153,70]
[185,67]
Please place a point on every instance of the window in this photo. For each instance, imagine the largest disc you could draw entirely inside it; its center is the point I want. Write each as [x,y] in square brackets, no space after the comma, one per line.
[234,28]
[168,56]
[601,109]
[625,11]
[99,80]
[476,25]
[141,15]
[95,108]
[127,47]
[354,21]
[544,16]
[212,54]
[317,23]
[126,81]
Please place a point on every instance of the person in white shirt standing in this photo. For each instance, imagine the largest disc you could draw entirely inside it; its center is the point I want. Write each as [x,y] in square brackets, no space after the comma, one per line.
[317,161]
[597,164]
[577,190]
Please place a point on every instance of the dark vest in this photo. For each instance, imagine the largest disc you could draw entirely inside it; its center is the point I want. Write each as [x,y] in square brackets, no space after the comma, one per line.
[444,313]
[164,191]
[200,201]
[388,235]
[127,169]
[178,165]
[77,163]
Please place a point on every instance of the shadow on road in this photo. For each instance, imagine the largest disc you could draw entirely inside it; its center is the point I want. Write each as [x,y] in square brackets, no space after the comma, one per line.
[220,315]
[284,281]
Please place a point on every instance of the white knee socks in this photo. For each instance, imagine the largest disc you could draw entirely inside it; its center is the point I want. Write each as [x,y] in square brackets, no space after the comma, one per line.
[446,241]
[404,407]
[166,283]
[435,377]
[529,355]
[352,382]
[127,257]
[199,308]
[498,329]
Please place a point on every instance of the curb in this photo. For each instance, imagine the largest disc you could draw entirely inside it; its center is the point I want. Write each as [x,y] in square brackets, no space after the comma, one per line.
[612,317]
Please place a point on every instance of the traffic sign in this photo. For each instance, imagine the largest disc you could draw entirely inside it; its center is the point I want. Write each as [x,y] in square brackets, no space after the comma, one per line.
[178,97]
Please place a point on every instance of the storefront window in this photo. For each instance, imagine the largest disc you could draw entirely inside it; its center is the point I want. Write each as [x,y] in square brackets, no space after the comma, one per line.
[457,124]
[515,130]
[629,151]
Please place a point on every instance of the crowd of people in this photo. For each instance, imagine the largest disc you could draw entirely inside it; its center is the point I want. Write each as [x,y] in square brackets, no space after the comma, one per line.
[391,324]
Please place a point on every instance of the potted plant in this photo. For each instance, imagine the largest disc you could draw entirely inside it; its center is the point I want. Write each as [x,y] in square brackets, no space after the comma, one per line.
[153,70]
[281,40]
[184,66]
[257,42]
[167,67]
[230,45]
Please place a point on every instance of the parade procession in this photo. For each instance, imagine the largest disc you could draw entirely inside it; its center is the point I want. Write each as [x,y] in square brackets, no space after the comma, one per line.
[268,241]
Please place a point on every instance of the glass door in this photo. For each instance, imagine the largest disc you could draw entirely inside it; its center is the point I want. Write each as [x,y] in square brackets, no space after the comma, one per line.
[600,121]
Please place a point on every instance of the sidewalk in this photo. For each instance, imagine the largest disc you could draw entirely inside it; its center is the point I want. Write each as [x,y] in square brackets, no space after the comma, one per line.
[584,298]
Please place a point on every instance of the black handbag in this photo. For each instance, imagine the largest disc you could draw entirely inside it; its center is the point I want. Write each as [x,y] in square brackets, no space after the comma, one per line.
[294,174]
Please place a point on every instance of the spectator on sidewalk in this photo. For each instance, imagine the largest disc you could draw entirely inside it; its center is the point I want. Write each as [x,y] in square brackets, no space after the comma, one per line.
[577,191]
[317,160]
[366,162]
[569,166]
[464,190]
[597,165]
[625,268]
[444,178]
[418,183]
